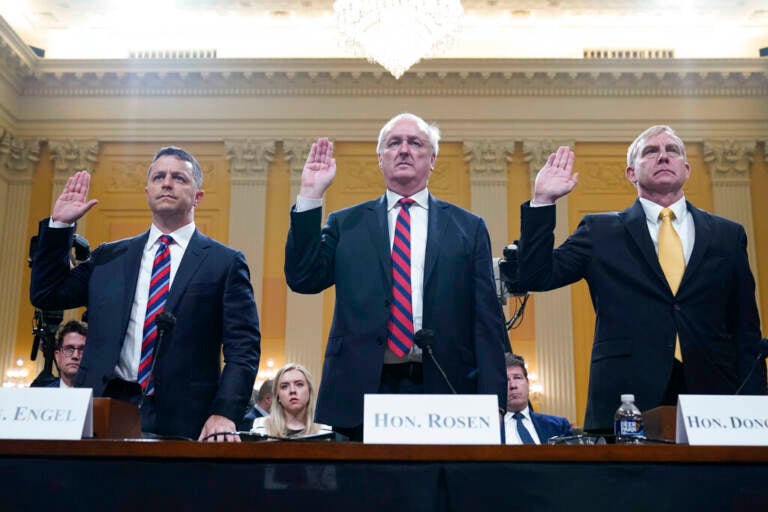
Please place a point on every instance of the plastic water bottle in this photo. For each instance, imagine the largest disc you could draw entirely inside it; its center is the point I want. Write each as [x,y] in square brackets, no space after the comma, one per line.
[628,422]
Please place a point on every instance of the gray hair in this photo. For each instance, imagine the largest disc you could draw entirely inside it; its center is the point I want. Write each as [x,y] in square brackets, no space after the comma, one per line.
[430,130]
[634,148]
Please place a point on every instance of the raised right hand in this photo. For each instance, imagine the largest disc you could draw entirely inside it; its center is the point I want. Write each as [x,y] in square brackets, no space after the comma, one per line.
[73,202]
[319,170]
[555,179]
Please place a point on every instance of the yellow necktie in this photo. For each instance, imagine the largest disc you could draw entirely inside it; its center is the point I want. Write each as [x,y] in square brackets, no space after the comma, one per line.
[671,259]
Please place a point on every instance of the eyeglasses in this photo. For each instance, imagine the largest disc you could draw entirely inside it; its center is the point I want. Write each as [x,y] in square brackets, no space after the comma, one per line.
[69,350]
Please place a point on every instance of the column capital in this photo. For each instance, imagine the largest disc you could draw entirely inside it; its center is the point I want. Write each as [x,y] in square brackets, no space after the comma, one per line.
[537,151]
[488,159]
[728,160]
[72,155]
[295,152]
[249,159]
[18,156]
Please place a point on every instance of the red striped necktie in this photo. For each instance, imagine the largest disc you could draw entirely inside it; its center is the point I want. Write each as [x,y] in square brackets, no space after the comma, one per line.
[159,285]
[400,326]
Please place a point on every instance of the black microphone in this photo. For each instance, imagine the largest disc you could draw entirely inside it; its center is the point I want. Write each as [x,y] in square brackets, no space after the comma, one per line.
[165,321]
[762,353]
[423,339]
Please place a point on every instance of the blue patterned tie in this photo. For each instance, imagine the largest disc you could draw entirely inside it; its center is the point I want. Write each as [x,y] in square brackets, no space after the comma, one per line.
[525,436]
[400,326]
[159,285]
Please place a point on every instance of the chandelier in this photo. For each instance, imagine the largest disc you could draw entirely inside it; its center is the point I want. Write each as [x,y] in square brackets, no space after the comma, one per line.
[398,33]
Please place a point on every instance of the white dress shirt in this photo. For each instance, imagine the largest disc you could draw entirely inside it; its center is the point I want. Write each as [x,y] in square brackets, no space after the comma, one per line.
[419,211]
[510,427]
[128,365]
[682,224]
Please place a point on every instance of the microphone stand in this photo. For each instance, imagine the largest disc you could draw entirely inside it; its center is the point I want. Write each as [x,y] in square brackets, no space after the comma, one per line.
[423,338]
[165,321]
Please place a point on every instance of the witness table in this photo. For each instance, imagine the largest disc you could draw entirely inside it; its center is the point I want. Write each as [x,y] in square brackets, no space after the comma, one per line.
[179,476]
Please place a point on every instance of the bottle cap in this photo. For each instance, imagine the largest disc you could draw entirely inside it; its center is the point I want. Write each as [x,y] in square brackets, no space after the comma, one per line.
[628,398]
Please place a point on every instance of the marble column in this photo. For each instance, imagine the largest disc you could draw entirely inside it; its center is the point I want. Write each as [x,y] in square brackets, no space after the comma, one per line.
[553,315]
[728,165]
[304,313]
[249,165]
[488,161]
[17,165]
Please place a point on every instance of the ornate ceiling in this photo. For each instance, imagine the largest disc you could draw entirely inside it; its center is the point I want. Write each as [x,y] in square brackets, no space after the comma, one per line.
[83,29]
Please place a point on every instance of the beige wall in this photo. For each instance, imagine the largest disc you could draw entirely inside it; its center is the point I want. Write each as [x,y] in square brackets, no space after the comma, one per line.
[599,107]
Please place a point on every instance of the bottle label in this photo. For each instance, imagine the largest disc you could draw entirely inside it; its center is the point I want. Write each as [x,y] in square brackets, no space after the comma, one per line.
[628,427]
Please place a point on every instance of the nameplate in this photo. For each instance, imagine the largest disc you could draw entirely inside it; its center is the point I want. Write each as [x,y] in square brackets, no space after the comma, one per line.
[46,413]
[722,420]
[431,419]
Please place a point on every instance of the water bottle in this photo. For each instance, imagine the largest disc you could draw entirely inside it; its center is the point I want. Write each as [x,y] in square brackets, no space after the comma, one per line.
[628,422]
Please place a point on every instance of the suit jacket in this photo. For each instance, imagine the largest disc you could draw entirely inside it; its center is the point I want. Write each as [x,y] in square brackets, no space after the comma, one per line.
[550,426]
[714,311]
[352,252]
[212,300]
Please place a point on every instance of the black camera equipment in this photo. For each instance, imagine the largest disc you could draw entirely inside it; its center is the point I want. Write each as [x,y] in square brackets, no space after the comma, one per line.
[45,322]
[508,284]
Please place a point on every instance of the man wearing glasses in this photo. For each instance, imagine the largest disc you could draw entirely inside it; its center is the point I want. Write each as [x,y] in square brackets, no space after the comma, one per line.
[68,351]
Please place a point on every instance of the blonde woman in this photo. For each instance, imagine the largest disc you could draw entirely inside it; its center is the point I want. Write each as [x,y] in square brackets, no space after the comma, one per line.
[293,406]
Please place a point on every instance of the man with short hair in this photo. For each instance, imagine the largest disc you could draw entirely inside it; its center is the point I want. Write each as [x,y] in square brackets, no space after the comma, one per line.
[521,424]
[671,284]
[68,352]
[135,288]
[261,407]
[400,263]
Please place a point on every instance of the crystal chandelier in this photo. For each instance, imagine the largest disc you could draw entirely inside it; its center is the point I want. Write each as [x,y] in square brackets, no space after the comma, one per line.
[398,33]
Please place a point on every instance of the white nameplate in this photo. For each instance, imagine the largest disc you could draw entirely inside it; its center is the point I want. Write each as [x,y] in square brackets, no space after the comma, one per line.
[46,413]
[722,420]
[431,419]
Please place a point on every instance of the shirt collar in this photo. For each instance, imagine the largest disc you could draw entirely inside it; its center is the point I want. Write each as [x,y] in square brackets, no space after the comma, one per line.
[652,210]
[421,198]
[525,412]
[181,236]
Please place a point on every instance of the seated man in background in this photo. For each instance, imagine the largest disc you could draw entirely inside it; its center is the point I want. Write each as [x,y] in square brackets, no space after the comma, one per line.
[521,424]
[261,407]
[68,352]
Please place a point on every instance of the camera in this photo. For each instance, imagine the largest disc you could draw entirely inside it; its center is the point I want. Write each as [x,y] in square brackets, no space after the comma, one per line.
[505,271]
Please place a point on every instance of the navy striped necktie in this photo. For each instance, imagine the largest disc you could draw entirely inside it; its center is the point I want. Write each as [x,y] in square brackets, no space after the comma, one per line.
[159,285]
[400,326]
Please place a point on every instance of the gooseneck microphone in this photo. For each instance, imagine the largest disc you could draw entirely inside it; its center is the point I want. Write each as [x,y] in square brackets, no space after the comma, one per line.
[424,338]
[165,321]
[762,353]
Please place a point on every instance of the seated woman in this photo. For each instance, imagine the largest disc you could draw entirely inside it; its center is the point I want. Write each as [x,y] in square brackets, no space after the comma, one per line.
[293,406]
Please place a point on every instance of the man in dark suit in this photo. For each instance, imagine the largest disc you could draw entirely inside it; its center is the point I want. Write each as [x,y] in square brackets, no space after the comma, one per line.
[400,263]
[68,352]
[521,424]
[204,284]
[262,405]
[671,284]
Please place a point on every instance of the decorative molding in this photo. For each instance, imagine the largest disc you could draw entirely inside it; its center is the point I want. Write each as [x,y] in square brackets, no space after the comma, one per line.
[295,152]
[488,159]
[536,153]
[17,60]
[728,160]
[71,155]
[249,158]
[352,77]
[18,156]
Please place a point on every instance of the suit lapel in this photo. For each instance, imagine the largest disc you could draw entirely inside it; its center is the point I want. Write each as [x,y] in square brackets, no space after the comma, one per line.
[378,228]
[133,254]
[437,220]
[702,225]
[194,255]
[637,227]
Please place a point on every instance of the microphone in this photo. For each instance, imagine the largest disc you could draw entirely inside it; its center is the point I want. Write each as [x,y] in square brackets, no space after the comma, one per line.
[165,321]
[423,338]
[762,353]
